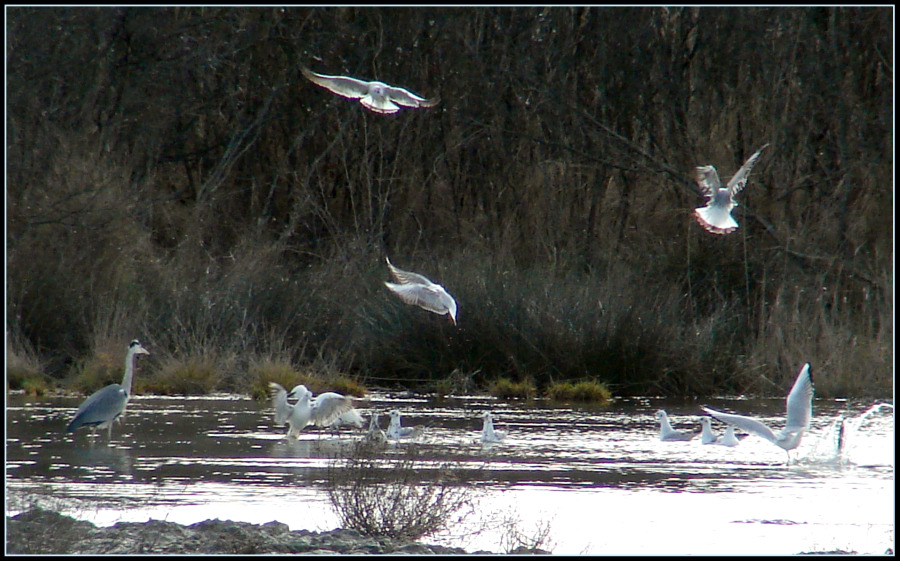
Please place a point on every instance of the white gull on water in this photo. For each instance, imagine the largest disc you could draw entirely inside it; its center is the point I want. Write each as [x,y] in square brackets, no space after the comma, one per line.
[667,433]
[488,434]
[396,432]
[707,436]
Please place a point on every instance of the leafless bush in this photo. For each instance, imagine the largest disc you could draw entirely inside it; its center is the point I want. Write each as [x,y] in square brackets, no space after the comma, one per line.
[405,495]
[515,539]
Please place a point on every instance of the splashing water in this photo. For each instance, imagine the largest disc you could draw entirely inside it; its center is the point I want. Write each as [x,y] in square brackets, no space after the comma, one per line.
[834,444]
[850,429]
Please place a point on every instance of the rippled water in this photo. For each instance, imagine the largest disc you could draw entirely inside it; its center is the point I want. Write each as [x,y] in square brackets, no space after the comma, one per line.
[597,477]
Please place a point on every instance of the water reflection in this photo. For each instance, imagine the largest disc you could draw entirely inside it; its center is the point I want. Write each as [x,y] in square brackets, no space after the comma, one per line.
[180,458]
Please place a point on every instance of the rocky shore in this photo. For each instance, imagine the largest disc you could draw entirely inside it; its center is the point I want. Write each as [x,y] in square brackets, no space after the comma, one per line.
[39,531]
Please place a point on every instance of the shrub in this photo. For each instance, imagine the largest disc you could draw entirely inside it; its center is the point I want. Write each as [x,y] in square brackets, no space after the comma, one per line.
[99,370]
[263,371]
[405,497]
[24,369]
[505,388]
[587,391]
[194,375]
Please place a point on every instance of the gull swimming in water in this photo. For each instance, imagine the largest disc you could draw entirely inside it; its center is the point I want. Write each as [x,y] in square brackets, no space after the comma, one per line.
[416,290]
[375,434]
[716,216]
[322,411]
[667,433]
[375,96]
[707,436]
[488,434]
[396,432]
[799,415]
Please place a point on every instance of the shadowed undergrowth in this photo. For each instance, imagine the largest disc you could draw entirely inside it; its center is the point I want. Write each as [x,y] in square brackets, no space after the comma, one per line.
[199,195]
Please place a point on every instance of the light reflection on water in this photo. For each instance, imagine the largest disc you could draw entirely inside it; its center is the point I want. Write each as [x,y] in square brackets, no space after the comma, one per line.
[598,476]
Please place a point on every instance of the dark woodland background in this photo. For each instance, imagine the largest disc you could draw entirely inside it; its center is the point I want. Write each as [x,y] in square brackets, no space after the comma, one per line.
[171,176]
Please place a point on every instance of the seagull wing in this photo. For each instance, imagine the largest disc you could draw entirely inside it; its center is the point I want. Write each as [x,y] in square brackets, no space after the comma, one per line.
[799,401]
[406,277]
[747,424]
[740,178]
[329,406]
[408,99]
[707,179]
[341,85]
[280,403]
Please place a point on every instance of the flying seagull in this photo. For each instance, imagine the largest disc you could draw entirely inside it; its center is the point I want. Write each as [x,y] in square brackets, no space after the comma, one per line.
[375,96]
[415,289]
[799,415]
[716,216]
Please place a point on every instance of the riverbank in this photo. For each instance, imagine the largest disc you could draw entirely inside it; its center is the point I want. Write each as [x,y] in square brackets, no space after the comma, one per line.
[39,531]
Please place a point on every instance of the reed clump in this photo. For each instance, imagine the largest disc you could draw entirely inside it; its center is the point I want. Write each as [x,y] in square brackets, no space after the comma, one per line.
[99,370]
[196,374]
[504,388]
[585,391]
[24,368]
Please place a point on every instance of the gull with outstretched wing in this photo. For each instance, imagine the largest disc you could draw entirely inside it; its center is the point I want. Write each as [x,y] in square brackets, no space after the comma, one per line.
[375,96]
[417,290]
[799,415]
[716,216]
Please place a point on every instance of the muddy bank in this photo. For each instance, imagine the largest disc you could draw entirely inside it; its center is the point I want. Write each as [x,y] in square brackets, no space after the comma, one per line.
[43,531]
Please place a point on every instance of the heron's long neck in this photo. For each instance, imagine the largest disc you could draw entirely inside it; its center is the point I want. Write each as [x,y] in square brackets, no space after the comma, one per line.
[129,372]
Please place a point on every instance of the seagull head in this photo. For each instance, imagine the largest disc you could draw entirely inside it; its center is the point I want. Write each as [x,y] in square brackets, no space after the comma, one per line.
[299,392]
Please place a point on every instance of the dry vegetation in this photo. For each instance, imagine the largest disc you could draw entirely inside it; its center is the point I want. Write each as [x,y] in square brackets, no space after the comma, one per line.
[171,176]
[382,494]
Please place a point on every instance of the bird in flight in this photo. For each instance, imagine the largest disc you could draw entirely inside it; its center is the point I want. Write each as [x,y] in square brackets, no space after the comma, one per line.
[799,415]
[417,290]
[716,216]
[375,96]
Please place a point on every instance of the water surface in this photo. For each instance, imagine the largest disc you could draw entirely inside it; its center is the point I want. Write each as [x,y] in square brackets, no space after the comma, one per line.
[597,478]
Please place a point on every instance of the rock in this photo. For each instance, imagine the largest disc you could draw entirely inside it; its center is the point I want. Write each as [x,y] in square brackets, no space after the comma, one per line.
[47,532]
[414,549]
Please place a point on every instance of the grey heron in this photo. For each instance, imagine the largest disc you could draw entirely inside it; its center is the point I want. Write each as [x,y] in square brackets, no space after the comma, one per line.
[416,290]
[105,405]
[374,96]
